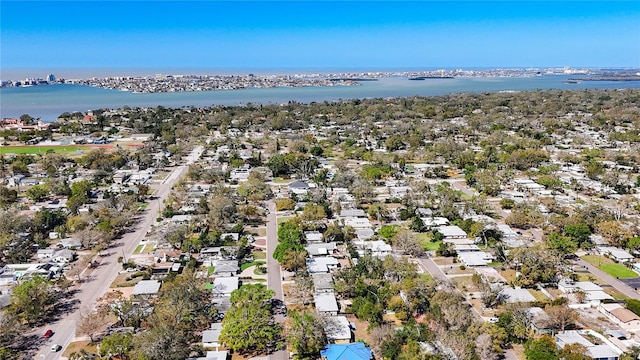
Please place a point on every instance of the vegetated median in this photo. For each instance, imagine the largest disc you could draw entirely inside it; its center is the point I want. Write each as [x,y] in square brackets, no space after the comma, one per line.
[607,265]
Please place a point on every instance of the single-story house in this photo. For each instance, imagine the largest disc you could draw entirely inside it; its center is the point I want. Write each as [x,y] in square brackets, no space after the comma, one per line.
[45,253]
[63,256]
[338,329]
[622,317]
[70,243]
[357,223]
[617,254]
[322,249]
[313,237]
[223,286]
[146,288]
[364,234]
[539,320]
[515,295]
[452,232]
[226,268]
[321,264]
[348,213]
[606,350]
[322,282]
[326,304]
[475,258]
[353,351]
[210,337]
[213,355]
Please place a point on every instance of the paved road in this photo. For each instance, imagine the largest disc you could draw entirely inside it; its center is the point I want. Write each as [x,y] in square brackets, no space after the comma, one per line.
[274,274]
[615,283]
[98,284]
[433,269]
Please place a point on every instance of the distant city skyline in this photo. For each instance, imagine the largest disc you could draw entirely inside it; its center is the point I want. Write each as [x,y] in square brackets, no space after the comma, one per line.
[81,36]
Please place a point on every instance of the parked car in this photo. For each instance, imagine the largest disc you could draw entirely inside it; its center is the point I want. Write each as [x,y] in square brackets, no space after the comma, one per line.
[48,334]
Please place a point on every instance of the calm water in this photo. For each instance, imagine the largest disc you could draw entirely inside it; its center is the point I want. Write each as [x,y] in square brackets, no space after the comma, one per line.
[48,102]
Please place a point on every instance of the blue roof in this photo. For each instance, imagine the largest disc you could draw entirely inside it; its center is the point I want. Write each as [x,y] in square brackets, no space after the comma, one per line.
[353,351]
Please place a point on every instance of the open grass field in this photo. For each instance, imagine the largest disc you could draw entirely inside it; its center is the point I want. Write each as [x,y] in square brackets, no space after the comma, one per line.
[59,149]
[610,267]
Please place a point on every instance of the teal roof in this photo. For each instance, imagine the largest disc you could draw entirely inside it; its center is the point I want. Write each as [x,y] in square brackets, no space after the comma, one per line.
[353,351]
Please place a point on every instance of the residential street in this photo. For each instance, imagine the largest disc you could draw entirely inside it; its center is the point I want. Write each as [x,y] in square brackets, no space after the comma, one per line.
[274,275]
[98,283]
[615,283]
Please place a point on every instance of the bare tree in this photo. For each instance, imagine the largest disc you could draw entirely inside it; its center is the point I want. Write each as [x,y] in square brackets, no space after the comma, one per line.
[91,323]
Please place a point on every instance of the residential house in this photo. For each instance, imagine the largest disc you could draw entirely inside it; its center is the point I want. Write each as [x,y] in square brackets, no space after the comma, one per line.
[43,254]
[299,187]
[226,268]
[338,330]
[352,213]
[146,289]
[70,243]
[615,253]
[326,304]
[210,337]
[321,264]
[313,237]
[357,223]
[620,316]
[322,249]
[452,232]
[352,351]
[364,234]
[539,320]
[63,256]
[516,295]
[605,350]
[322,282]
[594,294]
[223,286]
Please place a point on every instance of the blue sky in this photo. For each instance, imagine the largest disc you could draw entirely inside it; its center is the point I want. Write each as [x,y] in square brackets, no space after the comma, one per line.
[315,35]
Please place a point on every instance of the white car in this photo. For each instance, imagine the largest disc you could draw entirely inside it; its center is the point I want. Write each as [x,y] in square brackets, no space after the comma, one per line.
[55,348]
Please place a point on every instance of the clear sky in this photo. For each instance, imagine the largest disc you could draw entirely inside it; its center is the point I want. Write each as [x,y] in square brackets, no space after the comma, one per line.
[315,35]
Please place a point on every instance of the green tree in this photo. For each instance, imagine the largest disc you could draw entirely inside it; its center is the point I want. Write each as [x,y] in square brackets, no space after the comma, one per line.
[7,196]
[118,344]
[543,348]
[248,326]
[33,299]
[38,192]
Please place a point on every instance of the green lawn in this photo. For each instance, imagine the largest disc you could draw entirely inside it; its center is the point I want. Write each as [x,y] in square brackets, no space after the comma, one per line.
[138,249]
[259,255]
[244,266]
[610,267]
[426,243]
[619,271]
[30,149]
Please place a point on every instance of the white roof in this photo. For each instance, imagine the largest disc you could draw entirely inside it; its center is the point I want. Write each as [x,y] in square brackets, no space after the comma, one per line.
[337,328]
[320,264]
[146,287]
[475,258]
[325,302]
[517,295]
[225,285]
[452,231]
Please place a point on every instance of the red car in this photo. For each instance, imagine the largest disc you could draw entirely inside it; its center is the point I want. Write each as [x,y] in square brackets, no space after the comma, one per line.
[48,334]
